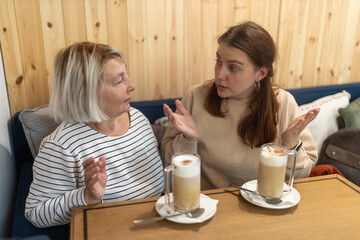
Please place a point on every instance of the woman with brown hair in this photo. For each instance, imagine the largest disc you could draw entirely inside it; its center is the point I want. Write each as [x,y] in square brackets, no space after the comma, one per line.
[227,119]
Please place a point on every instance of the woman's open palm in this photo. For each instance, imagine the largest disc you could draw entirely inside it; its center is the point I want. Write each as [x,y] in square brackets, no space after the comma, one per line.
[95,179]
[291,135]
[183,122]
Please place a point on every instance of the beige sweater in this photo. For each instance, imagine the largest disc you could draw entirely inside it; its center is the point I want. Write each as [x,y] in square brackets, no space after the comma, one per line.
[224,156]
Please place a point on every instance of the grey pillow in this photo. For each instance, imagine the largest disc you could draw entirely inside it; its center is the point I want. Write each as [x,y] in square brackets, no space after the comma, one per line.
[37,124]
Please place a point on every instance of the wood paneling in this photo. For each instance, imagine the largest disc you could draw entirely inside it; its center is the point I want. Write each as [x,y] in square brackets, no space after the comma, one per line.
[116,17]
[74,21]
[11,56]
[32,52]
[170,45]
[53,33]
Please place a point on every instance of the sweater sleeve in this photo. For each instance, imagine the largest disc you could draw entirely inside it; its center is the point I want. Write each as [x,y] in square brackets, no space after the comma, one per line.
[173,140]
[54,189]
[307,156]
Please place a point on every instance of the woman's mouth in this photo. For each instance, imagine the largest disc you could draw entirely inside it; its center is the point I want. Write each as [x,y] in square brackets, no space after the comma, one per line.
[221,87]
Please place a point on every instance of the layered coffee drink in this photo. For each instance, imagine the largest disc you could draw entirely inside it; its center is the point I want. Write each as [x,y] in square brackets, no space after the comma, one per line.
[186,182]
[272,170]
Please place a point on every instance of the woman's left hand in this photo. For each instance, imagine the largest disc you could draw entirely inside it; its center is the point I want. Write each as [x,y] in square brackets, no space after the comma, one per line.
[291,136]
[95,179]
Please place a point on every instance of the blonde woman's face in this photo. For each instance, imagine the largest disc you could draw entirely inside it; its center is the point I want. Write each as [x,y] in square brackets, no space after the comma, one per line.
[235,74]
[115,92]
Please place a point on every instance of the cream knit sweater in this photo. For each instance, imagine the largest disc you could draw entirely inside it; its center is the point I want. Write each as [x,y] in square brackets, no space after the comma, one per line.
[224,156]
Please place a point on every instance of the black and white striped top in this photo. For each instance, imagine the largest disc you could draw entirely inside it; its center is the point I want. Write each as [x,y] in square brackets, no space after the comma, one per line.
[133,166]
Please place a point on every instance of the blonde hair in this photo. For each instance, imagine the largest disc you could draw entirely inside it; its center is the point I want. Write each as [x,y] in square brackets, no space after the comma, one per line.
[77,79]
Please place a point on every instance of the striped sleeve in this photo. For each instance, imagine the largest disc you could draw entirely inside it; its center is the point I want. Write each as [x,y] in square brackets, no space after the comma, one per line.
[54,190]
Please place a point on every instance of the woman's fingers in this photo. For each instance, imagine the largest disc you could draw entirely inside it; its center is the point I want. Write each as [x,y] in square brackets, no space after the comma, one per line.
[168,112]
[102,164]
[309,117]
[92,168]
[88,162]
[181,107]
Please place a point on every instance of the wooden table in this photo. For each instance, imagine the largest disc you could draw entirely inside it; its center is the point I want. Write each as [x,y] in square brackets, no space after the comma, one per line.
[329,209]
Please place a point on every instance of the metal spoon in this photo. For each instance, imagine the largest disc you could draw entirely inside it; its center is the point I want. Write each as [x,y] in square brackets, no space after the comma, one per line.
[191,214]
[267,199]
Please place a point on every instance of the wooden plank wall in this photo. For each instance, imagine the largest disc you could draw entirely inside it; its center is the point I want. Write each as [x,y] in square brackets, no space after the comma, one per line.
[170,45]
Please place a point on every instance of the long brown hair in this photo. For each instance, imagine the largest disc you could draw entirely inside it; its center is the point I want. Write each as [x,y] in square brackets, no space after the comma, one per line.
[259,125]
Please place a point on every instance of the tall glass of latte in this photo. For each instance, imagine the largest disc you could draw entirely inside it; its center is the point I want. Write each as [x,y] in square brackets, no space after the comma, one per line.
[185,168]
[272,170]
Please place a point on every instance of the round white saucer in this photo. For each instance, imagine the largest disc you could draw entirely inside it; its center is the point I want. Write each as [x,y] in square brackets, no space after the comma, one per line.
[290,199]
[205,202]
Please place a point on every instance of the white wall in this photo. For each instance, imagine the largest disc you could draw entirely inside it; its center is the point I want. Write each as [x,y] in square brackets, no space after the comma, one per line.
[7,161]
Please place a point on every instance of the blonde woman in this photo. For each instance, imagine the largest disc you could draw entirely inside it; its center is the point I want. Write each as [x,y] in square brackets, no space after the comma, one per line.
[103,150]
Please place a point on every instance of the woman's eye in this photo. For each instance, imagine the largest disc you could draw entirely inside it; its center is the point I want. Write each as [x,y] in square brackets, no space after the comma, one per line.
[233,68]
[218,62]
[119,82]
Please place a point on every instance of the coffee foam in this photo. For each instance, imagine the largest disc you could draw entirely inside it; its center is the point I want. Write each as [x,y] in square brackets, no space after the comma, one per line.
[271,157]
[190,169]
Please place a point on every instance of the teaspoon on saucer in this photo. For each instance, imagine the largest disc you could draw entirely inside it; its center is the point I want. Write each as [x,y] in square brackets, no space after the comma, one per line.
[191,214]
[267,199]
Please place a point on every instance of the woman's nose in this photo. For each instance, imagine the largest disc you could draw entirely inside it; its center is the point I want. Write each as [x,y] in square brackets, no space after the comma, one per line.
[221,73]
[131,86]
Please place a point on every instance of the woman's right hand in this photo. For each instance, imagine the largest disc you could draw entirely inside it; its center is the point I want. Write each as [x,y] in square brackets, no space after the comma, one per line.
[184,122]
[95,179]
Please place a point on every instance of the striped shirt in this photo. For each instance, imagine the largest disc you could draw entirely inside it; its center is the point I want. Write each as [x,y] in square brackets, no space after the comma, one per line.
[133,165]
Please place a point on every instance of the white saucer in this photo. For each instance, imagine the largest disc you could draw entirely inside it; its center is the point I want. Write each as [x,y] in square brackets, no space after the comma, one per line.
[205,202]
[290,199]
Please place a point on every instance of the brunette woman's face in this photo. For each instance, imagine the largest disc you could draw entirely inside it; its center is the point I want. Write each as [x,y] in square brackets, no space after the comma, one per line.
[114,95]
[235,74]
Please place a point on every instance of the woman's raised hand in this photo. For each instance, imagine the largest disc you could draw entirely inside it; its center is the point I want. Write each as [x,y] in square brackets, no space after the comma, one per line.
[291,136]
[95,179]
[183,122]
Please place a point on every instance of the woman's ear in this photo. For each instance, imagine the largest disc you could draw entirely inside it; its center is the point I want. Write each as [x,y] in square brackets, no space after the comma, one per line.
[262,72]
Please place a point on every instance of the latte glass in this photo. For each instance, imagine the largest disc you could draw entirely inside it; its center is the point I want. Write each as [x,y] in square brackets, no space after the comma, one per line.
[185,169]
[272,170]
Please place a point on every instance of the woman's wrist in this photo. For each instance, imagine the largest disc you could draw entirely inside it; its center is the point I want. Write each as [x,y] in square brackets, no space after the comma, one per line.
[297,146]
[190,139]
[293,146]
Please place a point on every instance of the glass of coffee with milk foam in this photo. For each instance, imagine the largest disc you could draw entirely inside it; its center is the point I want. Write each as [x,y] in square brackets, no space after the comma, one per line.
[185,169]
[272,170]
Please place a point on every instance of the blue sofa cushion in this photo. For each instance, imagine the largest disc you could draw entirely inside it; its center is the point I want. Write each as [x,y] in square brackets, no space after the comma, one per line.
[309,94]
[154,109]
[21,226]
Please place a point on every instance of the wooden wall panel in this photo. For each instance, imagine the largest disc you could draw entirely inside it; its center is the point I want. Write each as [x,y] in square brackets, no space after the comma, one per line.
[209,17]
[350,31]
[193,44]
[170,45]
[174,47]
[53,34]
[226,15]
[138,64]
[291,42]
[156,54]
[313,40]
[117,25]
[96,25]
[74,21]
[11,56]
[355,63]
[32,52]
